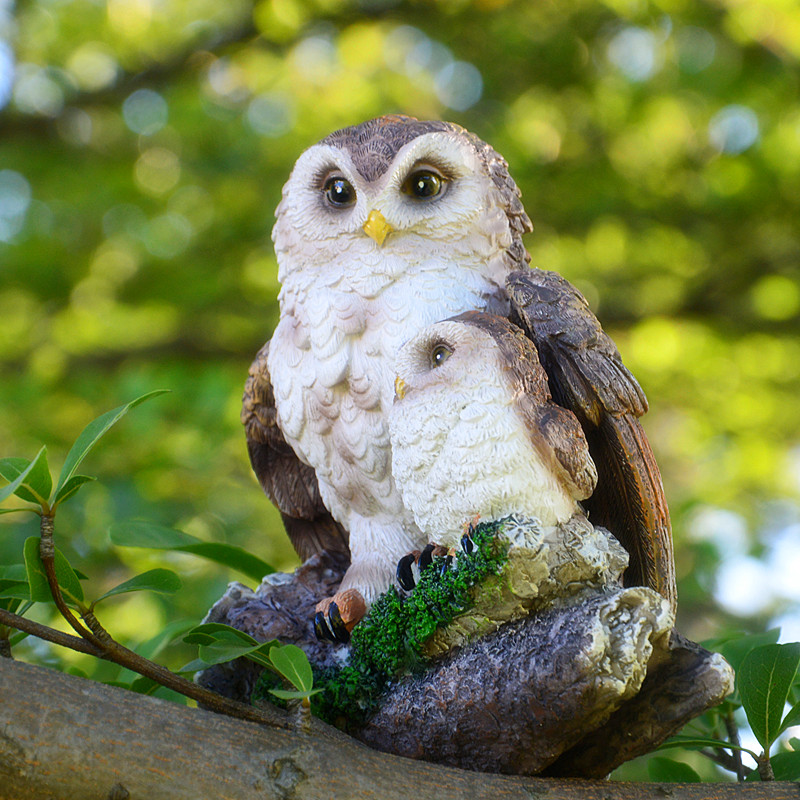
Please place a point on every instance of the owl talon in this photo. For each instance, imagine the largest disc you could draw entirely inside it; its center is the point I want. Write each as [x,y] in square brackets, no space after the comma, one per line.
[336,616]
[467,545]
[405,573]
[340,632]
[426,557]
[447,563]
[323,632]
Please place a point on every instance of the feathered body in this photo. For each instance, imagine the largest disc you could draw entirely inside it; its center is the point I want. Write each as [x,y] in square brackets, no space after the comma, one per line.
[347,304]
[479,435]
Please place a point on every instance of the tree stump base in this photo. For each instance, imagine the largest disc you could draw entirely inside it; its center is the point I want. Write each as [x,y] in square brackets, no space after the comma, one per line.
[593,676]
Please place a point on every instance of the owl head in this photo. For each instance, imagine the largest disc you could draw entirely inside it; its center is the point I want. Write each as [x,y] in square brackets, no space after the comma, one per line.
[467,353]
[397,187]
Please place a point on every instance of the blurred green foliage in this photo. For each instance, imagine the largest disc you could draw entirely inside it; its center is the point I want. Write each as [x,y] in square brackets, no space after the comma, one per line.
[143,146]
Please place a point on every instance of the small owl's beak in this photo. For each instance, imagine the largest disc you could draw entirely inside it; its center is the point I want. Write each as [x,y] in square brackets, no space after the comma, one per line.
[376,227]
[400,388]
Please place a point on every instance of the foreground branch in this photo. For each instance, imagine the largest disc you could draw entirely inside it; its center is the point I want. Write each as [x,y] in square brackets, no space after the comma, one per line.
[66,738]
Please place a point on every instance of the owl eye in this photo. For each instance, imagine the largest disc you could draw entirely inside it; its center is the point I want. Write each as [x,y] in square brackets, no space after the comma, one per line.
[439,355]
[339,192]
[423,184]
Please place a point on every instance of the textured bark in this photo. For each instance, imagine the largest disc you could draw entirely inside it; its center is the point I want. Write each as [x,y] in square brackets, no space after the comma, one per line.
[66,738]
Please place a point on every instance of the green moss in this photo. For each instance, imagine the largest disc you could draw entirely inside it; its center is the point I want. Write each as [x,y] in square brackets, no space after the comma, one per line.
[388,643]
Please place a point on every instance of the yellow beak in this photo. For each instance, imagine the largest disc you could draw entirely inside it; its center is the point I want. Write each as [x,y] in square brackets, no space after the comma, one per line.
[400,388]
[376,227]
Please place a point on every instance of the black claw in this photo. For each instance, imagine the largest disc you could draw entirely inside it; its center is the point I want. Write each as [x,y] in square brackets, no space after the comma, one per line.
[426,559]
[340,632]
[467,545]
[321,628]
[405,576]
[447,562]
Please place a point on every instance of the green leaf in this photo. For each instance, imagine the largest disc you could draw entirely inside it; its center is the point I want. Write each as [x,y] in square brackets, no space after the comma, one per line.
[193,666]
[92,433]
[791,719]
[219,643]
[666,770]
[70,487]
[786,766]
[37,580]
[763,680]
[13,572]
[139,533]
[209,632]
[292,663]
[12,487]
[151,647]
[37,484]
[293,694]
[163,581]
[222,651]
[18,590]
[17,510]
[699,742]
[229,555]
[736,648]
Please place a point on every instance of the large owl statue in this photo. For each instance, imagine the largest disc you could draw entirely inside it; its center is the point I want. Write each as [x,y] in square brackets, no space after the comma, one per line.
[383,229]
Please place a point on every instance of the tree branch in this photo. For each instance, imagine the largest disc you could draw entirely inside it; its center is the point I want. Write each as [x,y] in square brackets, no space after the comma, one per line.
[48,634]
[72,739]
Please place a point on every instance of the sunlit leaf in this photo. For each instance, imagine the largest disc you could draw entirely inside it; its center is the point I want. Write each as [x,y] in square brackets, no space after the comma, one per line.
[37,484]
[666,770]
[155,580]
[140,533]
[12,487]
[92,433]
[763,680]
[293,664]
[229,555]
[71,487]
[37,580]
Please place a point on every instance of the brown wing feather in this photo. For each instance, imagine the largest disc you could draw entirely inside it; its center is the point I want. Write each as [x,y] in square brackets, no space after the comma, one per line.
[587,376]
[289,483]
[554,431]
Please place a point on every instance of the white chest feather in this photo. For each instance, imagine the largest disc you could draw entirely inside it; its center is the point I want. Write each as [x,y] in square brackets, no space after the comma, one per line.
[460,454]
[332,365]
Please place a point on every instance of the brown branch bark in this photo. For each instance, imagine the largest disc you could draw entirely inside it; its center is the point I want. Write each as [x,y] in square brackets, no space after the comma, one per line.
[48,634]
[66,738]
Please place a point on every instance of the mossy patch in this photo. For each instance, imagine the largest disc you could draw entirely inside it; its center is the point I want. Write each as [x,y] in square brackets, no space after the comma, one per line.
[389,641]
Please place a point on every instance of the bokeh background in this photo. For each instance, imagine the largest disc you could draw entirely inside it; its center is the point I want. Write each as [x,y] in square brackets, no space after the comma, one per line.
[143,146]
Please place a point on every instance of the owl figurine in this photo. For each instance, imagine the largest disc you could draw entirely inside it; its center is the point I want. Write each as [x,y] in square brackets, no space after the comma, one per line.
[383,229]
[475,432]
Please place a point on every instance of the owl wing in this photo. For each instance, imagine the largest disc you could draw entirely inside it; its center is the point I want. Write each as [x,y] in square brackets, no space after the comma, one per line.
[586,375]
[287,481]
